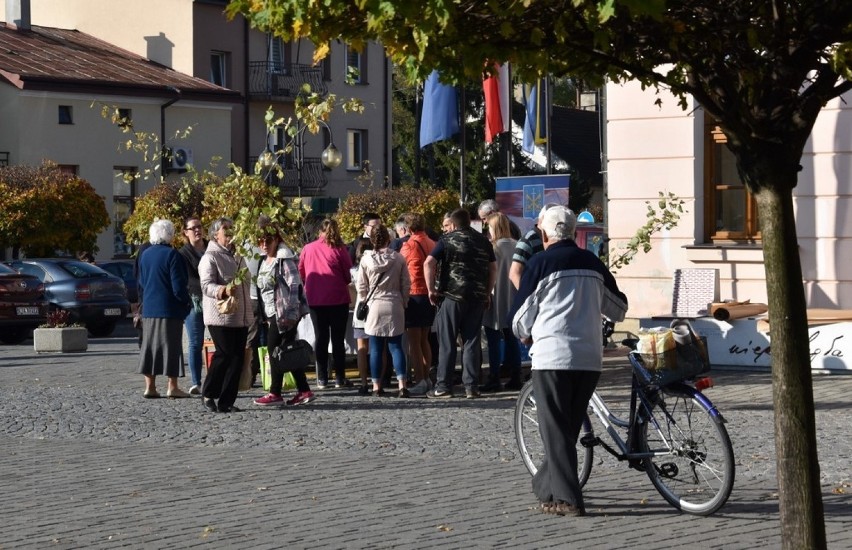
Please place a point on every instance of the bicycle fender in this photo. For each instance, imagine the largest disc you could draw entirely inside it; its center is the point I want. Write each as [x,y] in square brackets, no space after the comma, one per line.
[685,389]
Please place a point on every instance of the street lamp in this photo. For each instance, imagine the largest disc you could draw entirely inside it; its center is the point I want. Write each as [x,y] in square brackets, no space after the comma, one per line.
[331,156]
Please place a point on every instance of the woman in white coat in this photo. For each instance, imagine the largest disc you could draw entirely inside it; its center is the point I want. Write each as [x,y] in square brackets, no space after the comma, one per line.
[383,283]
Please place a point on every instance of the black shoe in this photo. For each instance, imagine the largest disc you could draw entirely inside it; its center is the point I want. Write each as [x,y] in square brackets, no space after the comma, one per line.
[209,404]
[378,393]
[403,393]
[492,385]
[364,390]
[231,409]
[513,385]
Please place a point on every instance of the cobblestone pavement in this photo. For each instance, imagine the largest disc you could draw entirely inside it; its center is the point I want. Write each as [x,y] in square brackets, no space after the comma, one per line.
[86,462]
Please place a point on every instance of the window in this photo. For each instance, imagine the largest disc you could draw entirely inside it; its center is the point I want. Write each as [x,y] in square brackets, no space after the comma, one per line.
[356,68]
[356,149]
[123,202]
[219,68]
[70,169]
[66,114]
[278,55]
[731,211]
[325,66]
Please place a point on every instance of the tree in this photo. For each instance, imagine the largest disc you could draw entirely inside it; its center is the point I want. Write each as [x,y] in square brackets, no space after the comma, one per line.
[44,211]
[762,69]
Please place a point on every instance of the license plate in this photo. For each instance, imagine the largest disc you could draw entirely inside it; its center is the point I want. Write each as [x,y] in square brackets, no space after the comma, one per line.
[112,312]
[27,311]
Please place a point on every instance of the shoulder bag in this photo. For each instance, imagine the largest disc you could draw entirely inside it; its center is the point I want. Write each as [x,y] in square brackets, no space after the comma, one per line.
[363,308]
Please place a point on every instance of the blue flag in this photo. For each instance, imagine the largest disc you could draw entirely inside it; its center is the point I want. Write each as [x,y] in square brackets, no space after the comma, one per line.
[440,117]
[534,123]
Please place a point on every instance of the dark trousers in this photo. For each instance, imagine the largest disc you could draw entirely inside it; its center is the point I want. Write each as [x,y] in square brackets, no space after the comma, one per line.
[562,398]
[223,377]
[330,323]
[273,338]
[454,319]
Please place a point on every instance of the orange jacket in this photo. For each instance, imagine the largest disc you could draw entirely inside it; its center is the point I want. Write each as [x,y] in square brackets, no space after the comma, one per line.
[415,250]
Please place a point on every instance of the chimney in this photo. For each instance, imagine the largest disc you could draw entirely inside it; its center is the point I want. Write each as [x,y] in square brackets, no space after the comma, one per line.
[18,14]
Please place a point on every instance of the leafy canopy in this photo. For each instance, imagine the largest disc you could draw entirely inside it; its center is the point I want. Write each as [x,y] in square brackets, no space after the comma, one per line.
[44,210]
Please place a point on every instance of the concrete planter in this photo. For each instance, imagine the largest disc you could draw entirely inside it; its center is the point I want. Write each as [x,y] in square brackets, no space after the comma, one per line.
[60,339]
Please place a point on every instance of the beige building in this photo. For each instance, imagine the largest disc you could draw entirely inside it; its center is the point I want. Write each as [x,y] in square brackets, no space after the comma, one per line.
[651,149]
[53,83]
[194,37]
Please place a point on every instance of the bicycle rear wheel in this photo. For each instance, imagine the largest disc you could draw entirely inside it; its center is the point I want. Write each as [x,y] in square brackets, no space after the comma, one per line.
[693,468]
[529,438]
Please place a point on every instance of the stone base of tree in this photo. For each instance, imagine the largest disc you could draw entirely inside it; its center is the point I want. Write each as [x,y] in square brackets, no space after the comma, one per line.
[60,339]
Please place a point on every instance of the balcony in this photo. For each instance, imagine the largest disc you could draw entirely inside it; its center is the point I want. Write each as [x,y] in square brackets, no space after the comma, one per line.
[278,81]
[313,179]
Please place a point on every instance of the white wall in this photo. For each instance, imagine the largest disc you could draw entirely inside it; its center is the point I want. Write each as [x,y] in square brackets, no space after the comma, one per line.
[652,149]
[160,30]
[92,142]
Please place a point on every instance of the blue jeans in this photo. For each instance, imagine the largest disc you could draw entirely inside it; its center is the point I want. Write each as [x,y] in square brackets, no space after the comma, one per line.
[194,325]
[377,345]
[511,352]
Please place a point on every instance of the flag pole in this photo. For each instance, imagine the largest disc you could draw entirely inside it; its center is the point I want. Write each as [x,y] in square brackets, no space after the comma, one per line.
[508,139]
[547,148]
[462,109]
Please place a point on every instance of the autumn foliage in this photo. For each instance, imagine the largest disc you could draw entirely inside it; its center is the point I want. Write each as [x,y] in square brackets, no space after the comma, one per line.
[44,211]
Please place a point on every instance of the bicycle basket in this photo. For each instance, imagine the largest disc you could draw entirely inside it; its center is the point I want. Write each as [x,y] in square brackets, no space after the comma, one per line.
[688,361]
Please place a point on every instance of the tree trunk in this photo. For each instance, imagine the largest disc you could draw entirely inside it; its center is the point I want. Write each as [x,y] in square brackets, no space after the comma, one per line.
[800,500]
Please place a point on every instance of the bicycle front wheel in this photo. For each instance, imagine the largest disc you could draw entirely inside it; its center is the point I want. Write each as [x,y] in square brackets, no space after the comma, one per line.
[529,438]
[693,462]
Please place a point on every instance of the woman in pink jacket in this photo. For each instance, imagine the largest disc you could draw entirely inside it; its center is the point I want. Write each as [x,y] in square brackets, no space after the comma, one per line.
[324,266]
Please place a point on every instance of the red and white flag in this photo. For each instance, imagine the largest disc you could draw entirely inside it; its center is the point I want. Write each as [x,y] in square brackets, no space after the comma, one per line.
[496,89]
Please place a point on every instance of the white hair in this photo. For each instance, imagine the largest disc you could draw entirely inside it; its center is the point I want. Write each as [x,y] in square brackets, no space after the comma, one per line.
[161,232]
[487,207]
[559,223]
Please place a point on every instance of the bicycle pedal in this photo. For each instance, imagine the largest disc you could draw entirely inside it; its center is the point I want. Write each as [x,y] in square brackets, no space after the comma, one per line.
[589,440]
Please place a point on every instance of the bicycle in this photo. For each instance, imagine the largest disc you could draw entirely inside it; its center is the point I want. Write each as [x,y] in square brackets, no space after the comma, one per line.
[674,434]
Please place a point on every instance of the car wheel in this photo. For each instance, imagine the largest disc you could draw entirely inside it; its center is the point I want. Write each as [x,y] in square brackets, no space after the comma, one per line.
[13,336]
[102,330]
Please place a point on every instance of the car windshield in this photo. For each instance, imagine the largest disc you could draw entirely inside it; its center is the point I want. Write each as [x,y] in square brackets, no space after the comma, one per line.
[82,270]
[6,269]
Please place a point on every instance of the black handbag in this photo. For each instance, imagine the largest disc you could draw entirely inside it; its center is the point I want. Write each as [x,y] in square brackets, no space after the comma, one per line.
[363,309]
[290,356]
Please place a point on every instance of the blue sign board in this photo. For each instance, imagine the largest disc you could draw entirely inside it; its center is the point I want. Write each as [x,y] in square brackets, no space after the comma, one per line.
[522,197]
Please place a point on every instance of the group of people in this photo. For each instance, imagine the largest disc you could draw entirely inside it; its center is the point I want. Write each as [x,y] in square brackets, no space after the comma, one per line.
[539,288]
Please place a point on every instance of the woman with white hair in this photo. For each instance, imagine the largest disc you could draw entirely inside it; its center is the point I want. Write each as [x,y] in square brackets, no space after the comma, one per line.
[162,276]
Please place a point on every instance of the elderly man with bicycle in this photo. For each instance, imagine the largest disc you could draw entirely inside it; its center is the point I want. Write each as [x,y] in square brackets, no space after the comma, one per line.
[563,293]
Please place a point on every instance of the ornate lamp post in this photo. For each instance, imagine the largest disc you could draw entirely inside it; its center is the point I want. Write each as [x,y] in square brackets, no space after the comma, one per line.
[331,156]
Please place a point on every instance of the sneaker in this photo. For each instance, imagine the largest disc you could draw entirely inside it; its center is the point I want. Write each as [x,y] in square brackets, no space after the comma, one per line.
[471,393]
[302,398]
[342,384]
[269,399]
[419,388]
[439,394]
[322,384]
[195,390]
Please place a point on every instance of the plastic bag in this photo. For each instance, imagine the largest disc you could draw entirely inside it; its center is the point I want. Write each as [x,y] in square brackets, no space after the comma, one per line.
[657,348]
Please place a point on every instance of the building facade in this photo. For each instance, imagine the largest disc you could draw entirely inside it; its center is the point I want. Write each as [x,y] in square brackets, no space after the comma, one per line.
[195,38]
[653,149]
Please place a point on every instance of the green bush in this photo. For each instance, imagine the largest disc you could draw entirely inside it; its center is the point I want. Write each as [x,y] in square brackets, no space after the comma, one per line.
[389,204]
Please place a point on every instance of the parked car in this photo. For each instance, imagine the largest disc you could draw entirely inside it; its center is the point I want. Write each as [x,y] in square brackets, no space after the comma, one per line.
[22,305]
[123,269]
[91,295]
